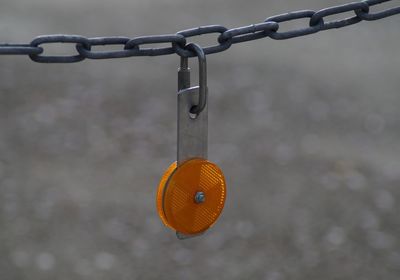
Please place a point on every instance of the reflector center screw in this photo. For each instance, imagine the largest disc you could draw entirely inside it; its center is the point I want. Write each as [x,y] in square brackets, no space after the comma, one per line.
[199,197]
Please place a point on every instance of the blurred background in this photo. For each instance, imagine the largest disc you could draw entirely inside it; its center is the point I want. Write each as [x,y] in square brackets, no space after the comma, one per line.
[305,130]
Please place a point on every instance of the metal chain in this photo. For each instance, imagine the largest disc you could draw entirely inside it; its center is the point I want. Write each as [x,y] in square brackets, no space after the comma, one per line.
[178,42]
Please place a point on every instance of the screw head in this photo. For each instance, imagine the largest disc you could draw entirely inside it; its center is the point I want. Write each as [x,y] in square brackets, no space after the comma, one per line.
[199,197]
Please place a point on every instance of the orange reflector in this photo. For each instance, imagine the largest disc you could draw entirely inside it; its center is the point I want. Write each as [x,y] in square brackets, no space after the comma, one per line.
[191,197]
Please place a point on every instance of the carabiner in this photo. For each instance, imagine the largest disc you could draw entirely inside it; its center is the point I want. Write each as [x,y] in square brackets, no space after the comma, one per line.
[197,109]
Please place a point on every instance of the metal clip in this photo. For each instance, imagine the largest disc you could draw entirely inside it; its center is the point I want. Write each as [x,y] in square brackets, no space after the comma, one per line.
[184,77]
[192,114]
[192,191]
[192,111]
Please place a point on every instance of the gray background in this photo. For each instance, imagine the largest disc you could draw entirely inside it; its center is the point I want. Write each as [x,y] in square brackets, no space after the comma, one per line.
[306,131]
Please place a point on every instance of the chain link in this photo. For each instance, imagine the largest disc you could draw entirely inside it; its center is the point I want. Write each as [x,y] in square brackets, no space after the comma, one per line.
[78,40]
[85,49]
[202,30]
[174,39]
[19,49]
[226,38]
[248,33]
[318,17]
[297,32]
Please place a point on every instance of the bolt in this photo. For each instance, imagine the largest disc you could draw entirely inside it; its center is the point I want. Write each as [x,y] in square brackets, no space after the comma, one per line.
[199,197]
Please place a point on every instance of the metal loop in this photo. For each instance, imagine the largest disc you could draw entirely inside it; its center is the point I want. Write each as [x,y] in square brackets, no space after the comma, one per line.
[296,32]
[226,37]
[170,38]
[180,49]
[375,2]
[318,17]
[18,49]
[105,41]
[248,33]
[195,48]
[379,15]
[59,39]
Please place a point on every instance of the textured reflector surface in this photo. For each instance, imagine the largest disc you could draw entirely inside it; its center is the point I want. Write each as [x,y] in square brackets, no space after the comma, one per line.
[180,211]
[160,193]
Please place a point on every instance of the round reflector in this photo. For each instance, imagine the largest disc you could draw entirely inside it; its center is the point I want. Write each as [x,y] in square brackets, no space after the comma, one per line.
[191,197]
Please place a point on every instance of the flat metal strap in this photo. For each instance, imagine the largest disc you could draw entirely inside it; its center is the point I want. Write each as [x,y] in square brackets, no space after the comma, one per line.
[192,132]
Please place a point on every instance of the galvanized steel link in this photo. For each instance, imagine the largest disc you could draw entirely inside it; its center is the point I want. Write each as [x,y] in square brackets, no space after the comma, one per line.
[368,16]
[19,49]
[86,52]
[318,17]
[182,51]
[227,37]
[156,39]
[248,33]
[59,39]
[297,32]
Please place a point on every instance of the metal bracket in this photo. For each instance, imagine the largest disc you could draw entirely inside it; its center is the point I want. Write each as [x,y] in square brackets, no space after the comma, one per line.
[192,128]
